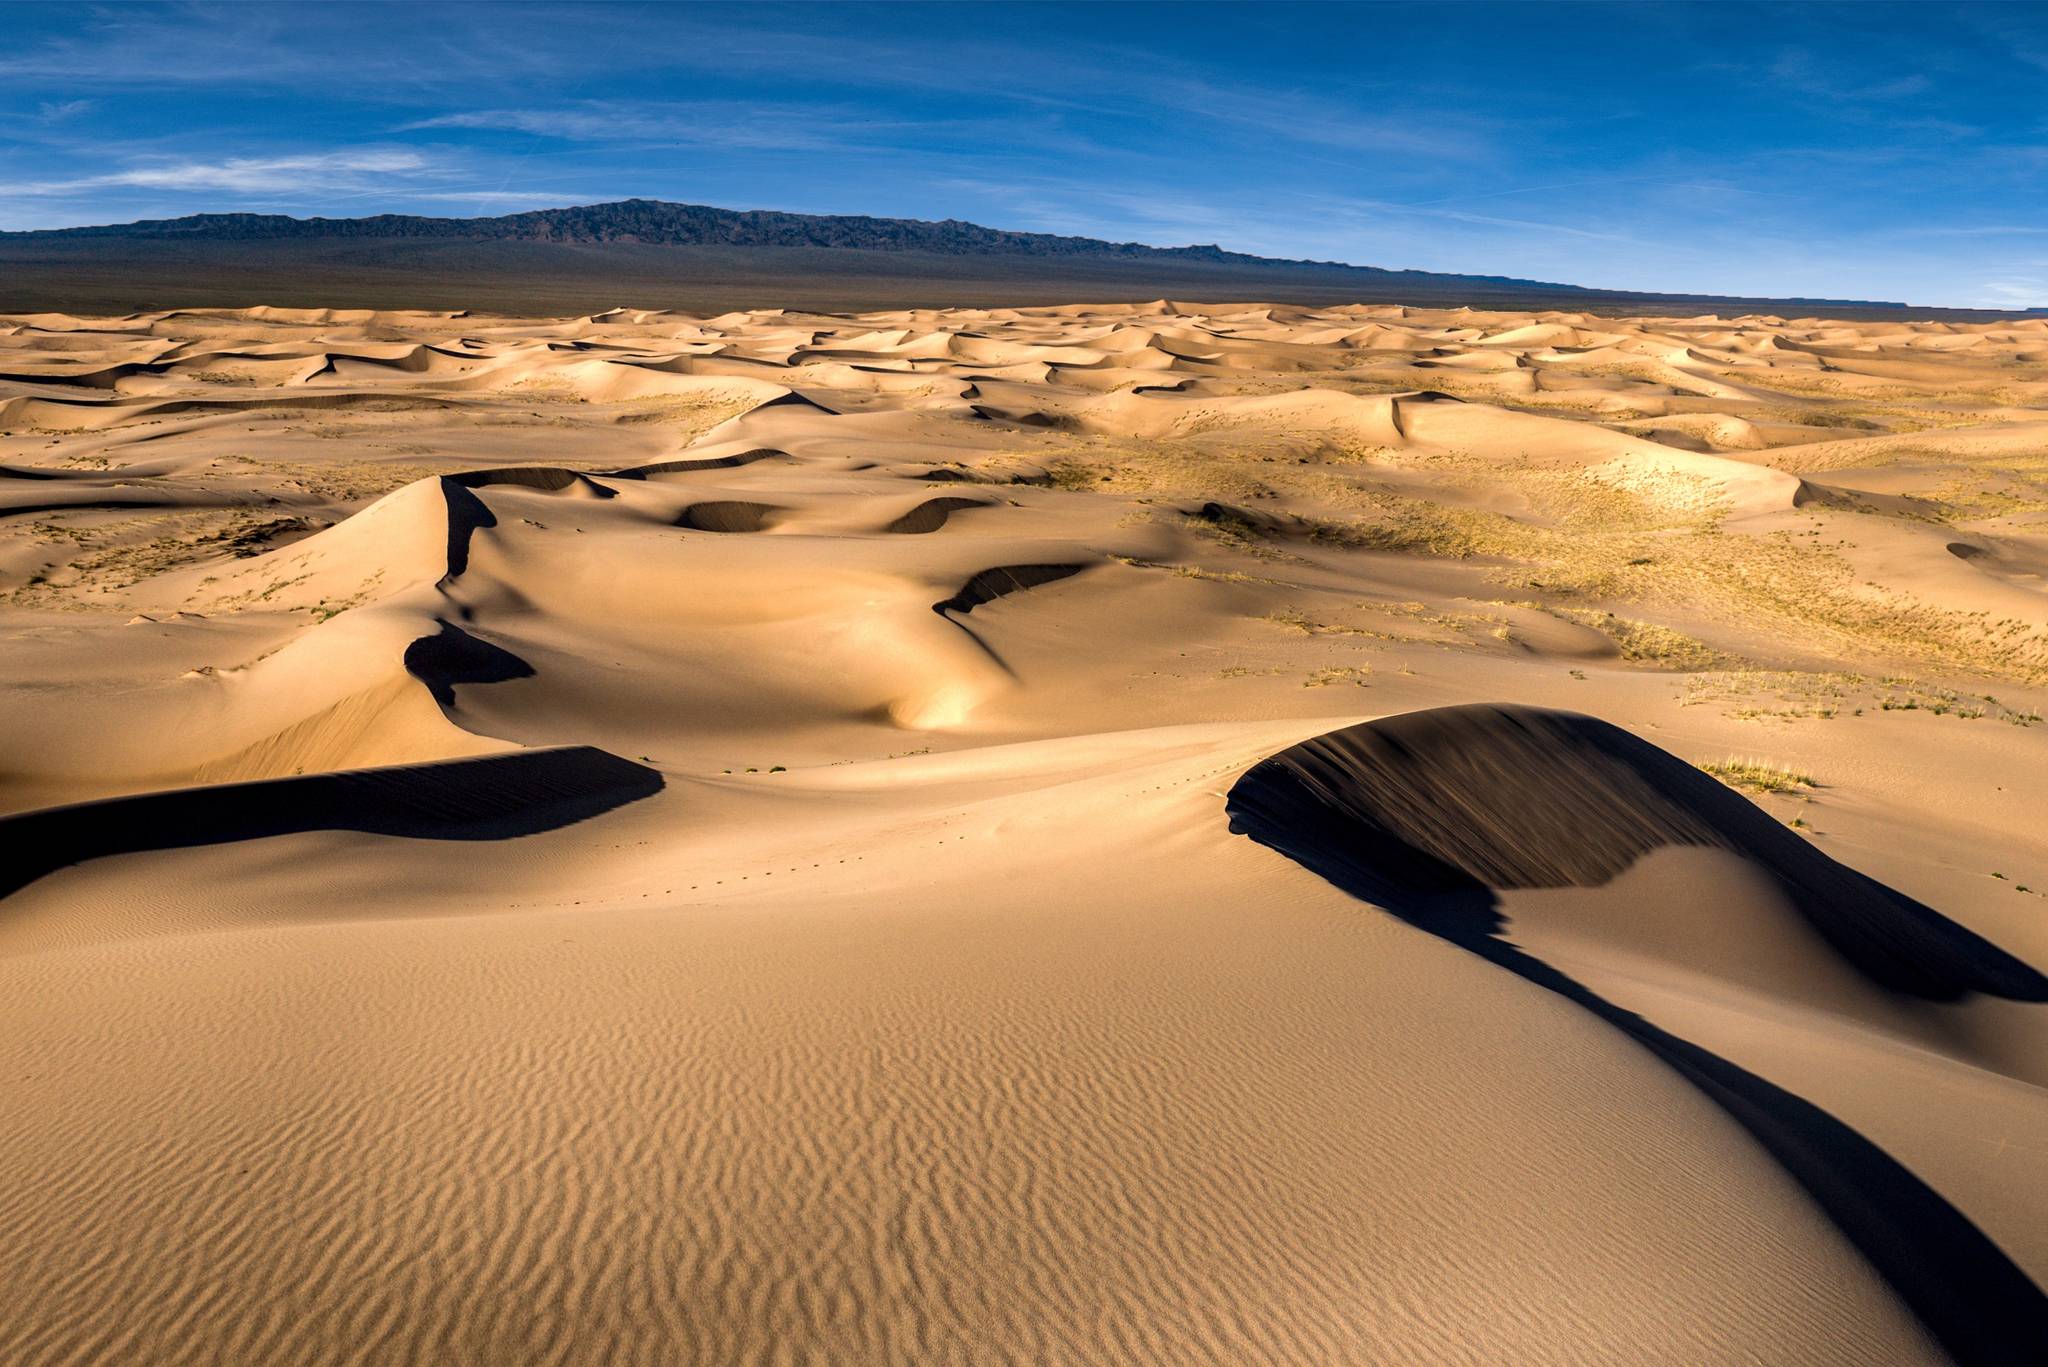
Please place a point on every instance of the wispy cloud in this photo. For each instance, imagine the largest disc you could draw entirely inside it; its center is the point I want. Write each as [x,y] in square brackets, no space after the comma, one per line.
[1328,225]
[1591,182]
[1300,118]
[1799,69]
[1977,230]
[322,171]
[165,46]
[726,124]
[544,198]
[1895,154]
[2006,29]
[2021,292]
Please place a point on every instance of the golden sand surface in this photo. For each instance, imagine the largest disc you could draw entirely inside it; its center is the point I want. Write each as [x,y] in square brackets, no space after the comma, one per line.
[642,838]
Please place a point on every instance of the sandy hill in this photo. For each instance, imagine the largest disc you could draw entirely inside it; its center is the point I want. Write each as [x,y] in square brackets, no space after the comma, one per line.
[1168,832]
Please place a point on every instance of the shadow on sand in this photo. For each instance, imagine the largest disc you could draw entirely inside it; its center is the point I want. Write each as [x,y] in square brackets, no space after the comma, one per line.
[493,798]
[1428,813]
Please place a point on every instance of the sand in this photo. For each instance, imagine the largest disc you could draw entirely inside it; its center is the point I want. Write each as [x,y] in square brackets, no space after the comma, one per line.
[1116,833]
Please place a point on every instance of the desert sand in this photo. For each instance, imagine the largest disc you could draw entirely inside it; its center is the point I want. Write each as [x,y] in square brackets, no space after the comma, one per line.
[1163,833]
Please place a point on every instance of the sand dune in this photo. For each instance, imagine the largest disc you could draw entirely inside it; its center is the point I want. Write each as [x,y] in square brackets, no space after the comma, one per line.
[1160,833]
[1432,814]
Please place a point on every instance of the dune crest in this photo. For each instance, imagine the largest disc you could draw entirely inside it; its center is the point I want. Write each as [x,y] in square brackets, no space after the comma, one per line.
[640,837]
[1431,814]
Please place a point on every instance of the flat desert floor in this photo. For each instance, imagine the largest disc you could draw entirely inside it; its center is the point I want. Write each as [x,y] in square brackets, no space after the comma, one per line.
[1145,833]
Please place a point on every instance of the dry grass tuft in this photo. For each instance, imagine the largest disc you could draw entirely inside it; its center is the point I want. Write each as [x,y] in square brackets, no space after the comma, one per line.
[1757,776]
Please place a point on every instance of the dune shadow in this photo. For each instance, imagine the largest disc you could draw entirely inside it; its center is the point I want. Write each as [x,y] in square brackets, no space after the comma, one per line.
[497,797]
[991,584]
[727,515]
[467,514]
[1427,814]
[101,503]
[930,515]
[684,467]
[550,479]
[453,656]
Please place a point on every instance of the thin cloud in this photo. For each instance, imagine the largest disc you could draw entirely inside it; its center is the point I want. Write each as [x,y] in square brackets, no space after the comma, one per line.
[1799,70]
[1590,182]
[245,175]
[1337,214]
[1839,161]
[542,198]
[754,127]
[1350,229]
[1310,120]
[1983,230]
[157,47]
[2023,293]
[725,125]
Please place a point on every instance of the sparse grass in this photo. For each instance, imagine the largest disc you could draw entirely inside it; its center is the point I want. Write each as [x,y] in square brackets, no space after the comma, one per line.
[1217,576]
[1292,617]
[1643,559]
[1774,695]
[1757,776]
[1229,528]
[1787,695]
[1191,571]
[1649,643]
[1900,694]
[545,387]
[1342,452]
[352,481]
[1812,594]
[1829,417]
[110,555]
[1984,494]
[1073,475]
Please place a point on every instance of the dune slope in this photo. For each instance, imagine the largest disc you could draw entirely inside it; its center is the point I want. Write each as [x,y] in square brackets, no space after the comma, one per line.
[1431,814]
[646,837]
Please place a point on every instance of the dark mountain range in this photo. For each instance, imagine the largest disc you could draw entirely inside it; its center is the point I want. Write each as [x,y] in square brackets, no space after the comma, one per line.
[653,222]
[652,253]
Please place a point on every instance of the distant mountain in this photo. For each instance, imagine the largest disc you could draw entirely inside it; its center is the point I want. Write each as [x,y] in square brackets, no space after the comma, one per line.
[692,255]
[653,222]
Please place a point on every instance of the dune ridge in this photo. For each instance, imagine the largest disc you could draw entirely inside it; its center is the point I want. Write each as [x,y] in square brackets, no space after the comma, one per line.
[1430,813]
[649,837]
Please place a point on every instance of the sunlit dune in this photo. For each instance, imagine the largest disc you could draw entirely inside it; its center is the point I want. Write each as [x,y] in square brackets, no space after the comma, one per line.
[1155,833]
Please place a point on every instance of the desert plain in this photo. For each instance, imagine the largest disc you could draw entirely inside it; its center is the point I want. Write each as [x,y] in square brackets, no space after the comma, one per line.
[788,837]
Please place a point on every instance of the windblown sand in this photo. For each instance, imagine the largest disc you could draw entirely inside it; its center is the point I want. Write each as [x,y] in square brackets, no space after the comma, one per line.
[815,920]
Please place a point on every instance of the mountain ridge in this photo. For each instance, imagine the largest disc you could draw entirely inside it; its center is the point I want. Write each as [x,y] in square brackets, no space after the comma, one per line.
[662,223]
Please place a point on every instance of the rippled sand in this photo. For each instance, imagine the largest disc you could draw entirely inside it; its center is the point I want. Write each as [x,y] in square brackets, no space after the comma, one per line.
[644,838]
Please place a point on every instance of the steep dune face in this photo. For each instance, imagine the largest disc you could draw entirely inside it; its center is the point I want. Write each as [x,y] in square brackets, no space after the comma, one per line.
[994,1056]
[1452,805]
[650,838]
[1432,814]
[493,799]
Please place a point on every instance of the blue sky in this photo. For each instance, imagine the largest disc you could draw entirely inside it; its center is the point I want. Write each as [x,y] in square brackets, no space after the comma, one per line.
[1869,151]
